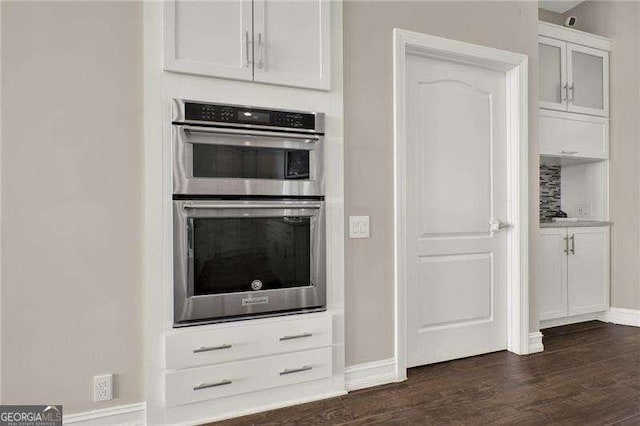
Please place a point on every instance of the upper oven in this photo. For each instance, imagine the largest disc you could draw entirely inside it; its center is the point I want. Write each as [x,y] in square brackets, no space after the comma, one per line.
[243,151]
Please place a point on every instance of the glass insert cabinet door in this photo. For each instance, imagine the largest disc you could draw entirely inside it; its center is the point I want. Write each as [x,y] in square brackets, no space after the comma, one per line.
[553,71]
[573,78]
[588,80]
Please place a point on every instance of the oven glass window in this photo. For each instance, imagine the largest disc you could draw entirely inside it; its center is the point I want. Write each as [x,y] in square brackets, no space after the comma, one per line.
[248,254]
[245,162]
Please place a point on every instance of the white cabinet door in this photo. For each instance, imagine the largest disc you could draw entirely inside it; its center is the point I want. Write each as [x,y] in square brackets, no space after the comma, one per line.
[588,270]
[292,43]
[573,135]
[552,273]
[211,38]
[553,72]
[588,80]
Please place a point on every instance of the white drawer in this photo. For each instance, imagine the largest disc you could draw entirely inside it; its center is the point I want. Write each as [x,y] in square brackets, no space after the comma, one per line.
[573,135]
[198,384]
[233,342]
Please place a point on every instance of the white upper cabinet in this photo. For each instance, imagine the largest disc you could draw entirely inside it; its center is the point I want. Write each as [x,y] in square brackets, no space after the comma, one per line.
[573,135]
[292,40]
[209,38]
[553,69]
[267,41]
[587,80]
[574,75]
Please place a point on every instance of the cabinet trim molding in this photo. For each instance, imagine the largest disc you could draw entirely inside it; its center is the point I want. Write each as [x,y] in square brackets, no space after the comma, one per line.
[574,36]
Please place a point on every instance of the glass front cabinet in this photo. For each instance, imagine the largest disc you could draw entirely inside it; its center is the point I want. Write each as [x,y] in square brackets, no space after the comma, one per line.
[573,77]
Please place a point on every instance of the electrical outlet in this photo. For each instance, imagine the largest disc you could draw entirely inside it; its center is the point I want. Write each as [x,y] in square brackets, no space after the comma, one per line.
[583,210]
[103,388]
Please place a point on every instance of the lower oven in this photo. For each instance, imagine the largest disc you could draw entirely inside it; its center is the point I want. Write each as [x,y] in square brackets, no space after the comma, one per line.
[241,258]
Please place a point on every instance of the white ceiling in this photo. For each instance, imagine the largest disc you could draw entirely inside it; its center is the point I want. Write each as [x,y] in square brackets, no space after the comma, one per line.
[558,6]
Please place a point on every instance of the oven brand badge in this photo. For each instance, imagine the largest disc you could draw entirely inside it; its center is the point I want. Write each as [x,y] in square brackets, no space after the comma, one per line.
[249,301]
[256,284]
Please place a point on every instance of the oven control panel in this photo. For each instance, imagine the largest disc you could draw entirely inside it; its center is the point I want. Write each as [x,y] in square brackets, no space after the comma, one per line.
[249,116]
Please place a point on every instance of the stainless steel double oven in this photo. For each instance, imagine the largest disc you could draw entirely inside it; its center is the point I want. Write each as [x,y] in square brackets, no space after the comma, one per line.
[248,212]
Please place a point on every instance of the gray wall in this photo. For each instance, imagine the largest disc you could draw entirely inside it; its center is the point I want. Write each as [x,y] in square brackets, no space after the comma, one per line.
[620,21]
[71,201]
[551,17]
[369,141]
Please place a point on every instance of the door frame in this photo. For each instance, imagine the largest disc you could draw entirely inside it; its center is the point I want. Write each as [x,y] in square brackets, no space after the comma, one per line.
[516,68]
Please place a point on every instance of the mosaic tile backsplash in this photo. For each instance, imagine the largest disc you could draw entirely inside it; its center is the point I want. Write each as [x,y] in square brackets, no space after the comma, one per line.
[549,191]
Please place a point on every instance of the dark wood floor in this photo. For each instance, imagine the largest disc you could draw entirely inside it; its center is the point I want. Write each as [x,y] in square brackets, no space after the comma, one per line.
[589,373]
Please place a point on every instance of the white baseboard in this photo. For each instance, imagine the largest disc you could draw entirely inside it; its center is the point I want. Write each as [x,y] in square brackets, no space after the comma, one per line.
[623,316]
[556,322]
[535,342]
[122,415]
[370,374]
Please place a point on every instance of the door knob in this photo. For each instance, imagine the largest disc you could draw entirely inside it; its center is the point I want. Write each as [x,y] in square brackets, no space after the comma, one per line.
[497,225]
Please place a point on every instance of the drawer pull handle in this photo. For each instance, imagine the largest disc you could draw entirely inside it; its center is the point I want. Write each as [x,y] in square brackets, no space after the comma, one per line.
[297,336]
[295,370]
[212,385]
[569,152]
[211,348]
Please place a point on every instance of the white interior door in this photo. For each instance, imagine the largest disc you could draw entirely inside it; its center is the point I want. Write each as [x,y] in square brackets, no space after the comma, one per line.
[456,185]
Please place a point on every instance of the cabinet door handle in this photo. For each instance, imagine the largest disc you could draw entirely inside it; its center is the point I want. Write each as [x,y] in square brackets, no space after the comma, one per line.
[565,92]
[246,46]
[295,370]
[296,336]
[261,47]
[211,348]
[573,243]
[566,245]
[212,385]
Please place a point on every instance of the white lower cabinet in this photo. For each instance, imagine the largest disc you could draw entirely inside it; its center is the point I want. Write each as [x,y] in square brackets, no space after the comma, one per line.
[588,270]
[236,341]
[573,271]
[217,381]
[552,273]
[221,360]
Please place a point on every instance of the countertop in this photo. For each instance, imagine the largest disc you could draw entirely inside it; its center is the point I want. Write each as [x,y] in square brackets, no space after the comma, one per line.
[578,224]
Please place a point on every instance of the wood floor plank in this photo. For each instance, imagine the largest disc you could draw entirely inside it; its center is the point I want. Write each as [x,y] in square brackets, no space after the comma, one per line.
[589,373]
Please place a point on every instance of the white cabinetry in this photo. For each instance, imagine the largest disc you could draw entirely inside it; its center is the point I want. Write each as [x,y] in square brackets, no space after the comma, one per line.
[574,77]
[209,38]
[573,271]
[222,360]
[573,135]
[292,42]
[588,270]
[552,273]
[268,41]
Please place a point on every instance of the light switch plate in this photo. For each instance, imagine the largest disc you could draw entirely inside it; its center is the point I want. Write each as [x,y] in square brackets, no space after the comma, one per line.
[358,226]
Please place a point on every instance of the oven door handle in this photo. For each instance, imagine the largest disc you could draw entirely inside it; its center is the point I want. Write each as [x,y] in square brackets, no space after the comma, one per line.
[267,134]
[225,205]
